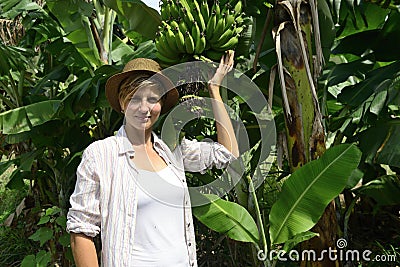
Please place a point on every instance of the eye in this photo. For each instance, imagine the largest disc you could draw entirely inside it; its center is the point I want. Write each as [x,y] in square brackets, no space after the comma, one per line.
[135,100]
[153,100]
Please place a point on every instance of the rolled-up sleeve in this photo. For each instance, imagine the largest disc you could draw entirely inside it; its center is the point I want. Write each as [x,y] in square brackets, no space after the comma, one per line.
[84,214]
[200,156]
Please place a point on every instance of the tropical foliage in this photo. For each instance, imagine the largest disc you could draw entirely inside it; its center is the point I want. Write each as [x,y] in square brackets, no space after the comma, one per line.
[56,55]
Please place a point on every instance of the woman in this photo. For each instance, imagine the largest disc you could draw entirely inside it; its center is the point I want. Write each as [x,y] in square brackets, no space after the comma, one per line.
[129,183]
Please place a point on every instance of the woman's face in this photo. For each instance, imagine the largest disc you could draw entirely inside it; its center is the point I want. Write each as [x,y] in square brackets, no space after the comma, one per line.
[144,108]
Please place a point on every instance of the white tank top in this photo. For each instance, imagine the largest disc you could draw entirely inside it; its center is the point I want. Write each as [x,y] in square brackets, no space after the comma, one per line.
[159,233]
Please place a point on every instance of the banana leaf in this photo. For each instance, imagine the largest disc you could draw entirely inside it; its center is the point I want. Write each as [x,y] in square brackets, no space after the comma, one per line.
[136,16]
[385,190]
[390,152]
[307,192]
[357,94]
[226,217]
[291,243]
[12,8]
[22,119]
[74,18]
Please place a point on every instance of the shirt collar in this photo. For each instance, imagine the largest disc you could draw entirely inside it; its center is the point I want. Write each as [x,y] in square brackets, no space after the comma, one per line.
[125,146]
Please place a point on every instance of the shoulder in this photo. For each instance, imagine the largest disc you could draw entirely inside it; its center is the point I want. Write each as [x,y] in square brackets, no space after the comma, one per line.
[104,146]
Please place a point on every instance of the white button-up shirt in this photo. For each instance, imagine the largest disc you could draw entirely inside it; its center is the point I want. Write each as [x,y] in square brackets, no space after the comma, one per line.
[105,198]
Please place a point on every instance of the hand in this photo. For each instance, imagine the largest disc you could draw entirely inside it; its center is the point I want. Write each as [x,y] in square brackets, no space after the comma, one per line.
[225,66]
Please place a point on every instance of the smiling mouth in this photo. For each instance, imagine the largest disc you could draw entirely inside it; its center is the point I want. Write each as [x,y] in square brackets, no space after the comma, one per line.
[143,118]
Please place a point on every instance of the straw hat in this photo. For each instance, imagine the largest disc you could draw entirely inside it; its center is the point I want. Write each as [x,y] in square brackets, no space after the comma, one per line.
[139,66]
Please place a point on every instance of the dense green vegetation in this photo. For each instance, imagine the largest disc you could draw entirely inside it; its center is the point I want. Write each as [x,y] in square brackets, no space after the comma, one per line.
[56,55]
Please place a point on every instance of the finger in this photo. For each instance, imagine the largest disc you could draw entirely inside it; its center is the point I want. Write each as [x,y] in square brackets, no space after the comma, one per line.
[231,54]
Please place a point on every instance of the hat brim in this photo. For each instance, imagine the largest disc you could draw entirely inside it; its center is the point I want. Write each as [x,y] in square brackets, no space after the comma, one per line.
[114,82]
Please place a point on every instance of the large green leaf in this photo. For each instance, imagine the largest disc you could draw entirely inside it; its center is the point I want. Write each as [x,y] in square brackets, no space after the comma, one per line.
[136,16]
[339,73]
[371,139]
[13,8]
[24,118]
[13,57]
[389,152]
[355,95]
[74,18]
[385,190]
[306,193]
[326,28]
[383,42]
[228,218]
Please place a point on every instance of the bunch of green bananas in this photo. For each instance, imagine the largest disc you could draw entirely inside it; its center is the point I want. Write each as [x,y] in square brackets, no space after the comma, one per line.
[201,30]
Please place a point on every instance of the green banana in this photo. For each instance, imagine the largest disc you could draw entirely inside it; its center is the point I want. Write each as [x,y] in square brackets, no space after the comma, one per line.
[228,45]
[199,17]
[229,20]
[184,4]
[212,22]
[189,43]
[165,25]
[164,10]
[195,31]
[205,59]
[163,47]
[217,9]
[238,7]
[205,12]
[208,46]
[174,25]
[225,37]
[187,16]
[171,40]
[239,19]
[180,41]
[239,30]
[200,44]
[219,30]
[214,55]
[174,9]
[187,12]
[166,59]
[160,43]
[182,26]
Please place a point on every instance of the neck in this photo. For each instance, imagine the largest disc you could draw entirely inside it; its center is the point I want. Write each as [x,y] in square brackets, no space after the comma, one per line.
[138,137]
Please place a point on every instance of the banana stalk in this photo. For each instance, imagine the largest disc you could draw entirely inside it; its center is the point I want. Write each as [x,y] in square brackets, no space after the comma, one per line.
[304,131]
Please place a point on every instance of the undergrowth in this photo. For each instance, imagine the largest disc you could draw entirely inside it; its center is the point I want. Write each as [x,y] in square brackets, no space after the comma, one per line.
[13,242]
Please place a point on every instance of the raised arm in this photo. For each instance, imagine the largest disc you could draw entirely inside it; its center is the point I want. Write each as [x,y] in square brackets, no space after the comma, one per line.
[225,132]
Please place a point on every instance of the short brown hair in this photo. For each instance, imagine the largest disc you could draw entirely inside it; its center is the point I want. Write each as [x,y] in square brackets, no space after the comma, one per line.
[131,84]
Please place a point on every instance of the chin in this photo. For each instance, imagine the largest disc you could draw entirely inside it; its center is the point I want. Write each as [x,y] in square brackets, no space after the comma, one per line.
[140,126]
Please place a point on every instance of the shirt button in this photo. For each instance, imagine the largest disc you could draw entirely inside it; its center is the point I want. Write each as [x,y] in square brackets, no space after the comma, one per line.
[188,225]
[190,244]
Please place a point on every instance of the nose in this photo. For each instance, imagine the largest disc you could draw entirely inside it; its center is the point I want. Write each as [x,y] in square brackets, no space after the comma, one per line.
[144,106]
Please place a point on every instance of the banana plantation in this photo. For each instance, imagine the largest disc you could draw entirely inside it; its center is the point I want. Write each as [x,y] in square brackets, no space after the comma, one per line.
[319,178]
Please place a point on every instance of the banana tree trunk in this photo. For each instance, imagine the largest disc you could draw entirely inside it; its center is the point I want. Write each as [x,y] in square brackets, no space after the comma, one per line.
[296,34]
